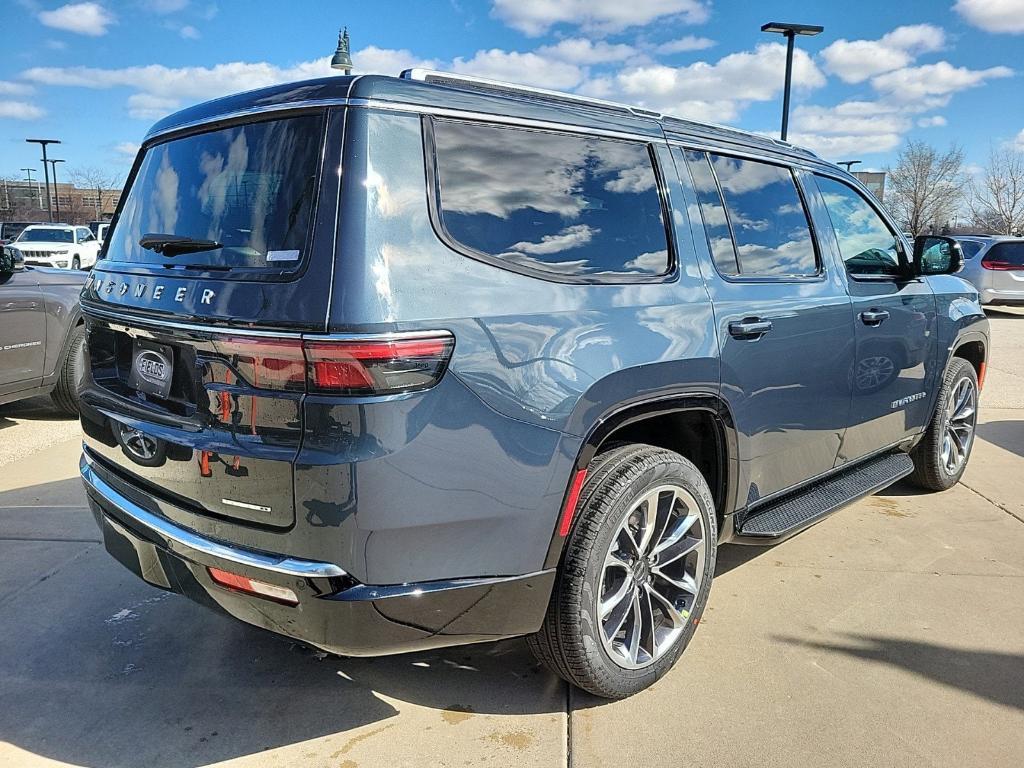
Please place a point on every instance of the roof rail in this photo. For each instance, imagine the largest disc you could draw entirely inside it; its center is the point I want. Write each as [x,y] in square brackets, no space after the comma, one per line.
[499,86]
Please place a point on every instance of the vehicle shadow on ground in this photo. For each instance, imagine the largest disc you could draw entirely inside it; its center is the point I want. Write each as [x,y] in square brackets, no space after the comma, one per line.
[1008,435]
[32,409]
[992,675]
[102,670]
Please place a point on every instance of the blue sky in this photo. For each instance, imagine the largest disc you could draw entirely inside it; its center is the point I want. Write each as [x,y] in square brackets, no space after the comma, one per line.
[97,74]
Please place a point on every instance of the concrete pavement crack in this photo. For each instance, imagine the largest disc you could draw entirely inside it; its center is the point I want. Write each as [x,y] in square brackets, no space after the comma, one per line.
[994,503]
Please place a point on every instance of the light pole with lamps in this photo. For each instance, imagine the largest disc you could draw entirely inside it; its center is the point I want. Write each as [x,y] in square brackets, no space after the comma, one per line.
[848,164]
[56,191]
[46,170]
[790,31]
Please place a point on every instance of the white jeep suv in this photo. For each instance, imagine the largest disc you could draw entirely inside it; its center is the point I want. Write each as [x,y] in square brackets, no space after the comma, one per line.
[56,245]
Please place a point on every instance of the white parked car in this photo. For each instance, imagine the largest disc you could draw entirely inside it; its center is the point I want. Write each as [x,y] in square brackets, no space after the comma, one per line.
[56,245]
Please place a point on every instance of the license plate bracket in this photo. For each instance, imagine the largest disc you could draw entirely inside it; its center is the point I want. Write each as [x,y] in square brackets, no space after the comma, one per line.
[152,368]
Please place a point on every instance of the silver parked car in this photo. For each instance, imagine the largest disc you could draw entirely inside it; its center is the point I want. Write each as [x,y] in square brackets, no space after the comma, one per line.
[995,266]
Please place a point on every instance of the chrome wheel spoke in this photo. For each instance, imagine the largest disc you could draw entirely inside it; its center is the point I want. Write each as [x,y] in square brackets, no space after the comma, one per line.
[618,615]
[635,630]
[686,582]
[677,618]
[614,600]
[677,550]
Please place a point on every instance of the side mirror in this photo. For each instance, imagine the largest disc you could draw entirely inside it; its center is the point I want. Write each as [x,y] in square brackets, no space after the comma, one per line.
[937,255]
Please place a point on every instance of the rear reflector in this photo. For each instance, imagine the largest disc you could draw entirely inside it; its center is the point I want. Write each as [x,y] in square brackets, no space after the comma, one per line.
[241,583]
[569,512]
[981,375]
[342,366]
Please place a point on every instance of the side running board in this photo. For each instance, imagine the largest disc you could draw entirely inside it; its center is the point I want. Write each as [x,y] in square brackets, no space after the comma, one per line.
[781,518]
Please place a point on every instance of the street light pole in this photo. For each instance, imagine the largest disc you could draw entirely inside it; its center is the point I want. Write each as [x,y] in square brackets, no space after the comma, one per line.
[29,172]
[46,170]
[848,164]
[56,191]
[789,31]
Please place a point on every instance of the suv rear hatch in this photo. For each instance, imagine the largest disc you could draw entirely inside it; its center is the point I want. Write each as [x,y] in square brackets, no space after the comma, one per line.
[219,259]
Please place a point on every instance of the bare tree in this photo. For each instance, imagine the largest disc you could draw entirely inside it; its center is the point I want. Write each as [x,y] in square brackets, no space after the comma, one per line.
[98,179]
[925,187]
[996,198]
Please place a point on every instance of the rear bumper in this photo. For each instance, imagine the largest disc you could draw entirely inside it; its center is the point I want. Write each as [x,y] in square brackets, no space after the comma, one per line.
[335,612]
[1009,298]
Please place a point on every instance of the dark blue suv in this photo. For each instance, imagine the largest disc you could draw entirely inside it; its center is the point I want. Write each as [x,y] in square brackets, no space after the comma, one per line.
[384,364]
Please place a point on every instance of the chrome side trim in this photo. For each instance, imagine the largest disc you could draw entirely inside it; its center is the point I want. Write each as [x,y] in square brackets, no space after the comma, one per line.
[246,505]
[183,541]
[283,107]
[416,588]
[128,323]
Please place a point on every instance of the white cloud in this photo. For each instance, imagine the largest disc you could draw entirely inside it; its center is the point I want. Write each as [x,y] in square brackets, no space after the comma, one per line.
[11,89]
[571,237]
[56,45]
[688,43]
[20,110]
[127,149]
[159,89]
[932,82]
[1019,141]
[852,127]
[934,121]
[999,16]
[578,50]
[713,92]
[90,19]
[189,32]
[856,60]
[526,68]
[535,17]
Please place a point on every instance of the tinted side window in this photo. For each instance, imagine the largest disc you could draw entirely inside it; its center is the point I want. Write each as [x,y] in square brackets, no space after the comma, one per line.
[769,223]
[716,225]
[866,243]
[970,248]
[569,205]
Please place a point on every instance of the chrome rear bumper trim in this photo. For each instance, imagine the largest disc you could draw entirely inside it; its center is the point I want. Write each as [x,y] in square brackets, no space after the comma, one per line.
[183,541]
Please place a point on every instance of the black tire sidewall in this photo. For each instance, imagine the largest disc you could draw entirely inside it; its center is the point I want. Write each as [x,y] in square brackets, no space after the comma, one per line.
[957,372]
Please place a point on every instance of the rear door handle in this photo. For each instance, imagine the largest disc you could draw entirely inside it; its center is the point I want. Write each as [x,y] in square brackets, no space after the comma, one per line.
[873,316]
[749,328]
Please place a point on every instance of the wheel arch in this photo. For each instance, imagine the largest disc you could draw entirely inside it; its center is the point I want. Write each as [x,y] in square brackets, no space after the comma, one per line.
[695,416]
[972,347]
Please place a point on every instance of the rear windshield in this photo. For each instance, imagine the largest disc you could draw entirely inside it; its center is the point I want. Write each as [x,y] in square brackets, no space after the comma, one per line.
[1007,253]
[47,236]
[247,191]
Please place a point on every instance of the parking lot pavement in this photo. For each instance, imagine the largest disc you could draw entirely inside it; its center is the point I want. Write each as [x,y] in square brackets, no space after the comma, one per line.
[891,634]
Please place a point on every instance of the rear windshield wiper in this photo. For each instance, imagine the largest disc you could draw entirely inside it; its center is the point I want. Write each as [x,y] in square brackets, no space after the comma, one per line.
[169,245]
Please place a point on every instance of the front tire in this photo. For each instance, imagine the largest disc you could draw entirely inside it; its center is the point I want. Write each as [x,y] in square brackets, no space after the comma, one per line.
[941,457]
[636,573]
[65,393]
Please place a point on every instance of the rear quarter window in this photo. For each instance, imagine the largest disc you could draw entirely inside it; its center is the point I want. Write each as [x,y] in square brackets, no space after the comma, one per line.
[250,188]
[557,205]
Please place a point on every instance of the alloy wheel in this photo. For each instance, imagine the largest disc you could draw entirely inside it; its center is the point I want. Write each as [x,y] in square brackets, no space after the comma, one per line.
[651,576]
[961,417]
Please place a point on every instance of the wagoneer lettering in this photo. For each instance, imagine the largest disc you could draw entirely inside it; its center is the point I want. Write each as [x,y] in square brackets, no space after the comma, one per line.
[488,361]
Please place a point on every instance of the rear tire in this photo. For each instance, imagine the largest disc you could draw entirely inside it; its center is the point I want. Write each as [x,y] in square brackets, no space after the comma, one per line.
[65,393]
[951,429]
[607,556]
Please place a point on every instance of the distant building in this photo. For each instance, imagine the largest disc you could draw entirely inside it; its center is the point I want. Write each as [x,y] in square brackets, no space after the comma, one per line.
[26,201]
[874,181]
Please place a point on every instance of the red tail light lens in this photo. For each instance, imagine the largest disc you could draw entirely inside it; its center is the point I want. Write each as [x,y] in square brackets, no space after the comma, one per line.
[1000,266]
[342,366]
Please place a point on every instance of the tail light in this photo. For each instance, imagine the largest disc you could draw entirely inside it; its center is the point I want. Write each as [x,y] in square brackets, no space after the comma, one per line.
[1000,266]
[341,366]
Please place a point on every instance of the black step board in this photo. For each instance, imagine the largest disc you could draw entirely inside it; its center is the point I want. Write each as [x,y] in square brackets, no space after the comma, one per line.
[794,513]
